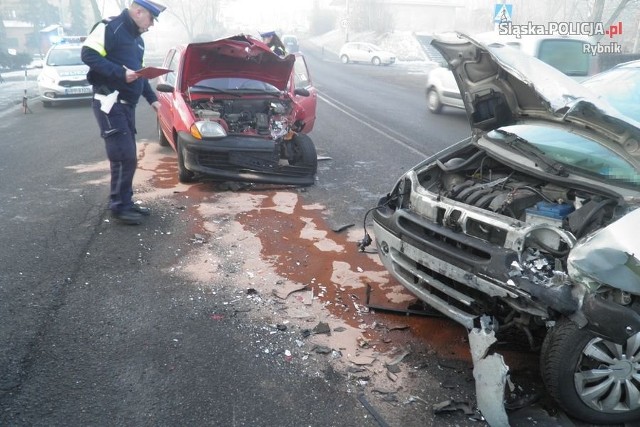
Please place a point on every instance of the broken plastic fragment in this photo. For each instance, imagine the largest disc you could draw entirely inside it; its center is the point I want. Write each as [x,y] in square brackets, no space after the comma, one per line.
[490,374]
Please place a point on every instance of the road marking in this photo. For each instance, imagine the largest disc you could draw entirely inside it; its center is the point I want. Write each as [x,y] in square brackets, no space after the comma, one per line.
[343,108]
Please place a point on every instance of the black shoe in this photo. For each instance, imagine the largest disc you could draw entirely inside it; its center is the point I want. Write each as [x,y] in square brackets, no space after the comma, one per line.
[142,210]
[129,217]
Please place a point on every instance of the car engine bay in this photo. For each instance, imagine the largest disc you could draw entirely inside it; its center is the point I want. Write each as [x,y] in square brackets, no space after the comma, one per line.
[255,117]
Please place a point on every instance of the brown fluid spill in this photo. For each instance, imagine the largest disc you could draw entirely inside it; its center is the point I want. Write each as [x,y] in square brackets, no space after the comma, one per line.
[301,260]
[299,246]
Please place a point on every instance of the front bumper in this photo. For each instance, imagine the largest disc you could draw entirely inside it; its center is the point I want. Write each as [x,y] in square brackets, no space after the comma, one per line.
[56,93]
[245,159]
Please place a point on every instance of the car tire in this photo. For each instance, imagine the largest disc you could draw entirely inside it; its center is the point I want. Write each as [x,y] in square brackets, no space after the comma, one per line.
[184,175]
[376,61]
[433,101]
[162,140]
[344,59]
[575,364]
[304,153]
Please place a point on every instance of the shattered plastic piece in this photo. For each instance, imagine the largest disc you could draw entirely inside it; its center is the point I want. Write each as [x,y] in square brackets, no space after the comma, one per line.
[342,228]
[452,406]
[395,361]
[393,377]
[216,316]
[340,329]
[490,374]
[252,291]
[335,354]
[321,349]
[394,369]
[361,360]
[286,290]
[381,422]
[322,328]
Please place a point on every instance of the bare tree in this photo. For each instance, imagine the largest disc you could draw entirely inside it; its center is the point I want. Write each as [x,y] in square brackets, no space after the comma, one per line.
[195,16]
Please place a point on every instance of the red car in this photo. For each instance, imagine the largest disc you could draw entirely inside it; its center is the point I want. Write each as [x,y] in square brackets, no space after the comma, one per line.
[235,111]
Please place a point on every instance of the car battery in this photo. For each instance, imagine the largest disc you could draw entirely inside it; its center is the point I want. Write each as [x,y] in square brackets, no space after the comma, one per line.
[549,214]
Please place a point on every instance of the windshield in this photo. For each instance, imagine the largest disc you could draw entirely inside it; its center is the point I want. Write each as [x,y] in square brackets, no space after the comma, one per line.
[621,87]
[577,153]
[566,55]
[228,84]
[65,56]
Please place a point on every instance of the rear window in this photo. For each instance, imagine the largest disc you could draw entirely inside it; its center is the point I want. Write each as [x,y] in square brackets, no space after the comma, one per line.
[565,55]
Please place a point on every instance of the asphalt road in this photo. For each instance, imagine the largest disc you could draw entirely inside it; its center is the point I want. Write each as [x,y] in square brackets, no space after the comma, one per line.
[101,325]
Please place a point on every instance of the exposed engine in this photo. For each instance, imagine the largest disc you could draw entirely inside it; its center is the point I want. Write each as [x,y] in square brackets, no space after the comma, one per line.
[548,217]
[263,117]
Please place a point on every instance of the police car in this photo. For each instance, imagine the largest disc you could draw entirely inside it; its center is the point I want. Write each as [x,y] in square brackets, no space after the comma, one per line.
[64,75]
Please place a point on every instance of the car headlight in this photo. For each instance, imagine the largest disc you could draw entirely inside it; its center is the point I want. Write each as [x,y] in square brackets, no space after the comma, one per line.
[207,129]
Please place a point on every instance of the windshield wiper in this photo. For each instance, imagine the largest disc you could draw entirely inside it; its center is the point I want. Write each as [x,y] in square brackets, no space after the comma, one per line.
[214,89]
[523,146]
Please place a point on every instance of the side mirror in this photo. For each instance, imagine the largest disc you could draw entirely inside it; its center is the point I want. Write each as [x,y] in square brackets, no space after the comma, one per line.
[302,92]
[165,87]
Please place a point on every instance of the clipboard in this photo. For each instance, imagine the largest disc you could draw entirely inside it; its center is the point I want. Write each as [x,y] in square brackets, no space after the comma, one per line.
[152,72]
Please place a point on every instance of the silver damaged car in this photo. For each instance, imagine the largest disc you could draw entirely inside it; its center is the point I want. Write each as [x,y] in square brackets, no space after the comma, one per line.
[533,221]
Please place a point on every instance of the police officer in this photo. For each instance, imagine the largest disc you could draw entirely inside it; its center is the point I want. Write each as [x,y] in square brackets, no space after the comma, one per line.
[113,50]
[271,39]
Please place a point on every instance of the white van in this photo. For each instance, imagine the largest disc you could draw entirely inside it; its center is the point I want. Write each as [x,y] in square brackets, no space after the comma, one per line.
[566,53]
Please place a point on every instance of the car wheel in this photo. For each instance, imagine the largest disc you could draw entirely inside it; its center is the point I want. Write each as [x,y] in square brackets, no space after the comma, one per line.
[344,59]
[433,101]
[376,61]
[47,104]
[161,138]
[591,378]
[304,153]
[184,175]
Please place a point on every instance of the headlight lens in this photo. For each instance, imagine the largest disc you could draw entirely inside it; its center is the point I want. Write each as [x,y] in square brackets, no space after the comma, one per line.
[207,129]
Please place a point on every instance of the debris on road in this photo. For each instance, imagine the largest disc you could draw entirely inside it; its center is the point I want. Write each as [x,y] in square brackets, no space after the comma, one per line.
[452,406]
[287,289]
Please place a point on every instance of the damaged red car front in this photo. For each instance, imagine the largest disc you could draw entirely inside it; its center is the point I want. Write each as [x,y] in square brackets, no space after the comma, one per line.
[235,111]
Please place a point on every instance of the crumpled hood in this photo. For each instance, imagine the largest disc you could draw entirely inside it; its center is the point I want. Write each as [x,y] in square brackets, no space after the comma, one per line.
[238,56]
[501,85]
[610,255]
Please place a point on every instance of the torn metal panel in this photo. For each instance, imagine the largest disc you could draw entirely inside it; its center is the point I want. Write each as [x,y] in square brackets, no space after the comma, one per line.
[610,256]
[490,374]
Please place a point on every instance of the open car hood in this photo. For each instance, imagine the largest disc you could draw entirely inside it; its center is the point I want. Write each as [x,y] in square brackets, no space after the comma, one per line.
[238,56]
[501,85]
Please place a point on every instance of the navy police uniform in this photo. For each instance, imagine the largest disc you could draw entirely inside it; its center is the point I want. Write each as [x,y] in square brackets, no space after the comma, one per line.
[112,45]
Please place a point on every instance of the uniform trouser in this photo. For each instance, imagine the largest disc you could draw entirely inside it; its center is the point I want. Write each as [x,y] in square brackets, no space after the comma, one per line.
[119,133]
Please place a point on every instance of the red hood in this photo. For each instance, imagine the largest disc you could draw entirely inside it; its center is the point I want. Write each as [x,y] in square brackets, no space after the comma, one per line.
[238,56]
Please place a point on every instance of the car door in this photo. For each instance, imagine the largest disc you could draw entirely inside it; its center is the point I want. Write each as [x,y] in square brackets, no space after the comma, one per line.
[302,80]
[165,113]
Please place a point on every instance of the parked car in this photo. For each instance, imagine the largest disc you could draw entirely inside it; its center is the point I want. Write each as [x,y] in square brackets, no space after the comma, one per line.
[36,62]
[620,86]
[530,221]
[290,43]
[365,52]
[235,111]
[564,53]
[64,76]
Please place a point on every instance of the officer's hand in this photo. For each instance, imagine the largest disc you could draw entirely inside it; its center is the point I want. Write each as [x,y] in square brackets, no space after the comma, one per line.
[130,75]
[156,106]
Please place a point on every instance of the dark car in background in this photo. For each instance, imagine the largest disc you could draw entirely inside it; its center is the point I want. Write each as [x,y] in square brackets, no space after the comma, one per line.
[235,111]
[531,221]
[291,43]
